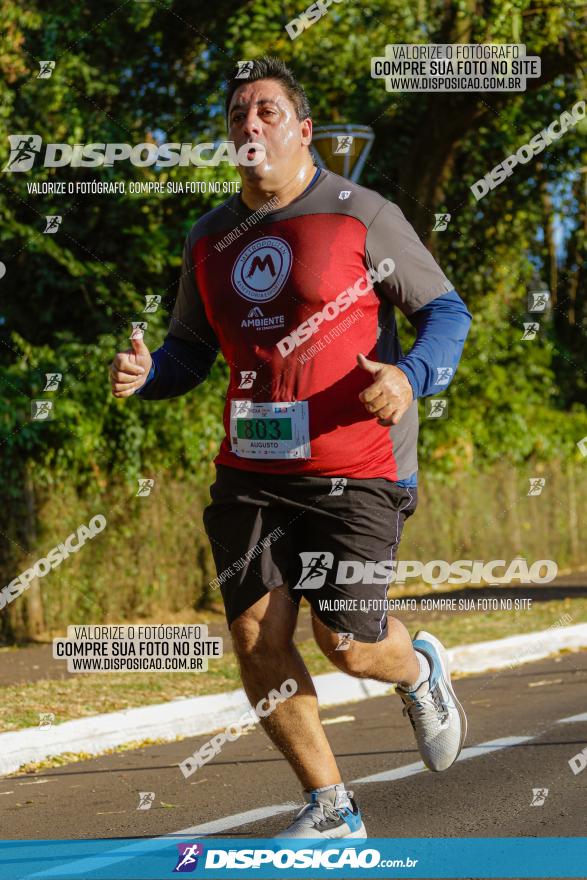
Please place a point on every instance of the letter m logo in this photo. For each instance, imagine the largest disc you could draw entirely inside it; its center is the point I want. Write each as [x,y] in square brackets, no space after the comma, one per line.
[262,263]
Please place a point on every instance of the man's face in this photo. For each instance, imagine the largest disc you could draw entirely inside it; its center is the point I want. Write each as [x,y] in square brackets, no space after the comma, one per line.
[260,112]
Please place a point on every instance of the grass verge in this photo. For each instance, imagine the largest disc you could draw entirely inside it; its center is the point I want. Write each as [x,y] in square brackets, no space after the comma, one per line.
[84,695]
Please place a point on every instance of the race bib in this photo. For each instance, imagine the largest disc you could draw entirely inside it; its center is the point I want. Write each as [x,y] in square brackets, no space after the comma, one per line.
[270,430]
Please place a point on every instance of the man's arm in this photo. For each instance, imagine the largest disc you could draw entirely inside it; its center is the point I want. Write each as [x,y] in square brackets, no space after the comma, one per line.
[190,347]
[416,281]
[178,366]
[442,327]
[421,290]
[416,278]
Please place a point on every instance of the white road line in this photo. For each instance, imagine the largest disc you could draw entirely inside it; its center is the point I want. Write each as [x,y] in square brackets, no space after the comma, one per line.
[340,719]
[389,775]
[573,719]
[238,819]
[493,745]
[145,846]
[227,823]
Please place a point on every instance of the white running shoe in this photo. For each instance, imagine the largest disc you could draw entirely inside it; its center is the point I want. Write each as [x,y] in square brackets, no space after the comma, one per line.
[322,818]
[438,719]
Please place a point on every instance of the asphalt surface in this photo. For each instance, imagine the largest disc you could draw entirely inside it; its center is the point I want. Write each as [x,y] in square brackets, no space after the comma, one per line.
[486,794]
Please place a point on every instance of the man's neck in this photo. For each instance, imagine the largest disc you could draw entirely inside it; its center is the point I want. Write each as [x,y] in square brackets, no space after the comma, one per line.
[253,196]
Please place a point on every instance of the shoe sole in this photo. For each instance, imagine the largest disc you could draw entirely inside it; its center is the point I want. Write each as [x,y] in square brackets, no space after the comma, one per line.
[360,832]
[441,650]
[308,841]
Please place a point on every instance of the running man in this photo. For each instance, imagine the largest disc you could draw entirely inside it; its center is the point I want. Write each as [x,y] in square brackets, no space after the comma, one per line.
[296,280]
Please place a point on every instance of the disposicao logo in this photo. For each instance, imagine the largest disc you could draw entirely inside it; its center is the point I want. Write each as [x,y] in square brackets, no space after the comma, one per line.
[24,149]
[187,859]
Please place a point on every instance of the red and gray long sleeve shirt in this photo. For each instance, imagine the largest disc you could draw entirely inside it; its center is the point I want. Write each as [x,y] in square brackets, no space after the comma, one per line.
[290,298]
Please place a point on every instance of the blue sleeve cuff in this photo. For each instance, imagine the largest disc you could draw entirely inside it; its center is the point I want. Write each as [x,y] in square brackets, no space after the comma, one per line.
[151,376]
[178,367]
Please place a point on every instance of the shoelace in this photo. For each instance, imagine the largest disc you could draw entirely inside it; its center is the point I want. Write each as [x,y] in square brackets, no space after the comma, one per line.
[420,709]
[327,811]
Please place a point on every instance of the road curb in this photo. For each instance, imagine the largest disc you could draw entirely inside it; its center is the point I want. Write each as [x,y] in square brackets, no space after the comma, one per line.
[197,715]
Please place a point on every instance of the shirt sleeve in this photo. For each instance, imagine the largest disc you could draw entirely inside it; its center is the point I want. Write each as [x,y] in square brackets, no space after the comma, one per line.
[442,327]
[190,347]
[178,366]
[416,278]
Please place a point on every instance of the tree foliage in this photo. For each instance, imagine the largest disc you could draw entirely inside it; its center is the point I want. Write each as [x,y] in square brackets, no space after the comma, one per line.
[151,72]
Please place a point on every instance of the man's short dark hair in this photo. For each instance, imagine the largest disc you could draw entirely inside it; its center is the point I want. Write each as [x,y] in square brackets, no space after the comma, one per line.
[272,68]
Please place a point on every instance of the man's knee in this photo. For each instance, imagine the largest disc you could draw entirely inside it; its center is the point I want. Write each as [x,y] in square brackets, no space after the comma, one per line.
[355,659]
[248,637]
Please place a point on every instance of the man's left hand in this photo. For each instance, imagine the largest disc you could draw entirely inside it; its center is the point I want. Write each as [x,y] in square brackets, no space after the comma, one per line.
[389,396]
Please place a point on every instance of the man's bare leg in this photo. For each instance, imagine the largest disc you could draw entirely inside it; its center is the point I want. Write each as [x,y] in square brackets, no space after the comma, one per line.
[392,660]
[263,643]
[440,724]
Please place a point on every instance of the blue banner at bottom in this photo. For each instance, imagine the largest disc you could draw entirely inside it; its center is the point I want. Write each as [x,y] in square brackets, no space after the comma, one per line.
[167,857]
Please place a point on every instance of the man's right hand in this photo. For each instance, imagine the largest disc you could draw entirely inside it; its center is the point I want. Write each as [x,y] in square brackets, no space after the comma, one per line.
[129,369]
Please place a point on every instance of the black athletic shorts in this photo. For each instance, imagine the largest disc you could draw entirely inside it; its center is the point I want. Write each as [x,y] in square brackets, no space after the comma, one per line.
[313,534]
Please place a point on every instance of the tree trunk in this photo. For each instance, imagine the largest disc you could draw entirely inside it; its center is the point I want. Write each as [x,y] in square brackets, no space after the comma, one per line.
[549,242]
[33,624]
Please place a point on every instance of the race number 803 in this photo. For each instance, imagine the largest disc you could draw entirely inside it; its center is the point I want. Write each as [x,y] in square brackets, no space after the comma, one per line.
[264,429]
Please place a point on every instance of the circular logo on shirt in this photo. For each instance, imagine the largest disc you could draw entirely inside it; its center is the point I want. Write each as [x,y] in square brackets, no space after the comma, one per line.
[262,269]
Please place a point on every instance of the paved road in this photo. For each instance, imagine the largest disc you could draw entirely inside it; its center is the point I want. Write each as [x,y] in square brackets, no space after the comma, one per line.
[488,793]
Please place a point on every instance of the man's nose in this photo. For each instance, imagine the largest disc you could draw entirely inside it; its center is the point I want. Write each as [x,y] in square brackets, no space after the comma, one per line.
[252,124]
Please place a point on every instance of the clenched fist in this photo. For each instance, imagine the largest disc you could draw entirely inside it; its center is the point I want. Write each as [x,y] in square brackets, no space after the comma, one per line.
[389,396]
[129,369]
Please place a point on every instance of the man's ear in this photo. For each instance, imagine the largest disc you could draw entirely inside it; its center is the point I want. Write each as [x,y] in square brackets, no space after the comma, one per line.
[306,127]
